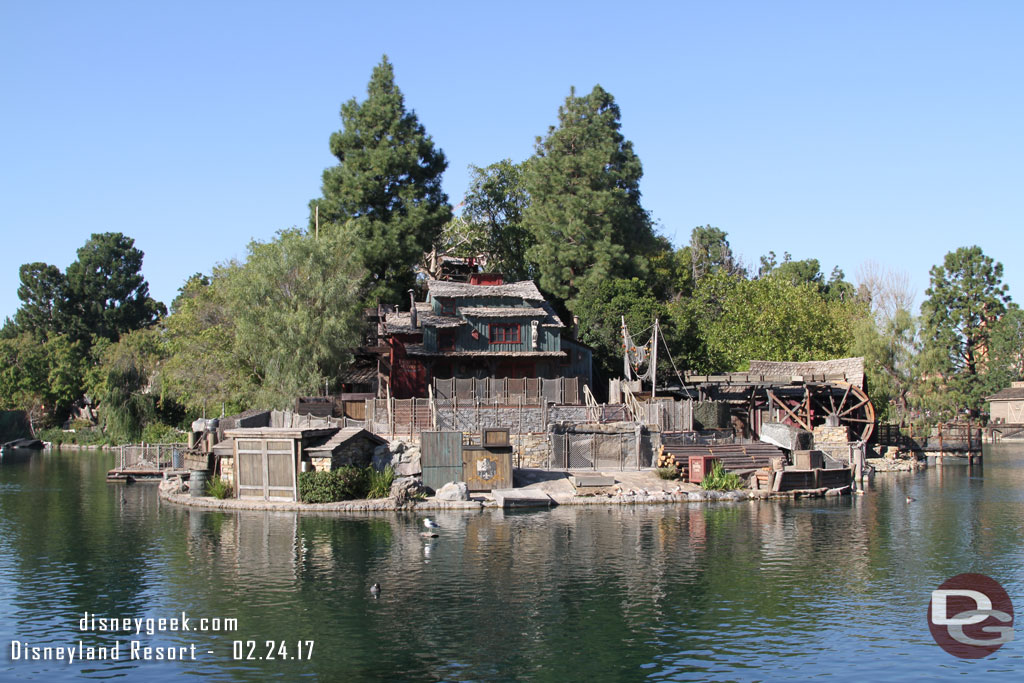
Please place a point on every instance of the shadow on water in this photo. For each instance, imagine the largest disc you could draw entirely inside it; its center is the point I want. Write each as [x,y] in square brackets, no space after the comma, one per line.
[687,592]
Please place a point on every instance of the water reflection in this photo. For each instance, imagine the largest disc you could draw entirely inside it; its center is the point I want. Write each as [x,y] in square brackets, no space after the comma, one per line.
[690,592]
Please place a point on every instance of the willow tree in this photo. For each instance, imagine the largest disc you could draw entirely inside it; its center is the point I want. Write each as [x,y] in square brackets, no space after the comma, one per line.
[386,187]
[584,187]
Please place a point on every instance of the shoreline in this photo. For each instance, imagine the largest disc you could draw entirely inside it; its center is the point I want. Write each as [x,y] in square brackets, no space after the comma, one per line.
[486,502]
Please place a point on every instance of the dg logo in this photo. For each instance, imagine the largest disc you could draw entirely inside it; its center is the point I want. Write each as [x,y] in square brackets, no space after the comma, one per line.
[970,616]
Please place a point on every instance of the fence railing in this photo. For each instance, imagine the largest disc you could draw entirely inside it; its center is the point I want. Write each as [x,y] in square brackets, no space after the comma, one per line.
[152,456]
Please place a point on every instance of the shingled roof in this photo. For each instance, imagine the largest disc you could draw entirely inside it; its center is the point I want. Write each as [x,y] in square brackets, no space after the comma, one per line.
[851,368]
[523,290]
[1009,394]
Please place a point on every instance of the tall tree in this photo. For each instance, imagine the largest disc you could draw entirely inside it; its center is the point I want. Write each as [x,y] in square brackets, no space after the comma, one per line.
[495,203]
[386,188]
[965,301]
[41,292]
[105,293]
[584,188]
[296,312]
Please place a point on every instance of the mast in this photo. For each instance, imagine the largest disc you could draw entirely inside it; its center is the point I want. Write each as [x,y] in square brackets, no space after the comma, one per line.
[625,352]
[654,360]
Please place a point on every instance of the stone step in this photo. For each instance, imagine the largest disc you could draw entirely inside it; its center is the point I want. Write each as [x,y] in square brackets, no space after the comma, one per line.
[519,498]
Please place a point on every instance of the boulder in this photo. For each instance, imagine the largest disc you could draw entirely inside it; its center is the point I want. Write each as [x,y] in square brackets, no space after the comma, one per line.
[406,489]
[453,490]
[409,468]
[173,485]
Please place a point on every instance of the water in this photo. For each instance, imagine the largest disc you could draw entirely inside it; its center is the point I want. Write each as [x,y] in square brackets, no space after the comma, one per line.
[834,589]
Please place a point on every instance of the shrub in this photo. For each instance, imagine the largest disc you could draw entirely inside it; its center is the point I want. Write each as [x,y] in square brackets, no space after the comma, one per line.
[720,480]
[344,483]
[354,481]
[380,482]
[218,488]
[158,432]
[667,472]
[319,487]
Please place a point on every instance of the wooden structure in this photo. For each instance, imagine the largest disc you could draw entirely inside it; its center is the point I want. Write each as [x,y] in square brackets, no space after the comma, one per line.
[804,395]
[485,468]
[734,457]
[481,328]
[1006,407]
[441,458]
[267,460]
[148,461]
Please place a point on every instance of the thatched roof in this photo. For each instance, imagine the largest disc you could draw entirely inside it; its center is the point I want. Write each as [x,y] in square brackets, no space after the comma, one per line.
[850,368]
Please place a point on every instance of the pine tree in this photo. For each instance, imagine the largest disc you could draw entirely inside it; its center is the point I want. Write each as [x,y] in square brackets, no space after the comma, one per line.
[584,210]
[386,189]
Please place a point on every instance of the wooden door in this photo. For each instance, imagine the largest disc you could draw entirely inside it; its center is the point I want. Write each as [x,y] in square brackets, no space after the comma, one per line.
[441,458]
[265,469]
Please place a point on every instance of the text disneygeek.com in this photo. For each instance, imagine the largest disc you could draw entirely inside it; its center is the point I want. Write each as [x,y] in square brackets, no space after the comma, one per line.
[123,647]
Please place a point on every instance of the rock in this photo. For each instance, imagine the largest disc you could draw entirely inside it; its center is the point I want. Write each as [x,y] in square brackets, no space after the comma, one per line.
[695,496]
[381,450]
[406,489]
[410,468]
[453,491]
[172,485]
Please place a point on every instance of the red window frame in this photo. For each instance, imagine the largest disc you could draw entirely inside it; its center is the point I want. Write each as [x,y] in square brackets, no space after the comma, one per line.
[446,340]
[447,306]
[503,333]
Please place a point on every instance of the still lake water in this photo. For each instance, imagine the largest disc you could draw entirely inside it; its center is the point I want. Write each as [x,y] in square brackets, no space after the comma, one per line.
[835,589]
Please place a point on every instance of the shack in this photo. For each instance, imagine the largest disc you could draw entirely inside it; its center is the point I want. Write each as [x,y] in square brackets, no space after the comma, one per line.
[265,461]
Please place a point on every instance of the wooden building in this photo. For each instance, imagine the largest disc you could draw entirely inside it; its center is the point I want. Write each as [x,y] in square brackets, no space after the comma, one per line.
[1007,406]
[481,328]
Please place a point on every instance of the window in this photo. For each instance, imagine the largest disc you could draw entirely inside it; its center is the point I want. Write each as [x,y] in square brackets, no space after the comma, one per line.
[504,334]
[446,340]
[447,306]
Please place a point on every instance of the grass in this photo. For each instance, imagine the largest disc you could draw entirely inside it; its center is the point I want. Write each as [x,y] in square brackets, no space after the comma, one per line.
[720,480]
[218,488]
[380,482]
[667,472]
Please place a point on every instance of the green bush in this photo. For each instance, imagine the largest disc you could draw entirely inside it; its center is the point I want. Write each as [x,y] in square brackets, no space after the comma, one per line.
[355,481]
[218,488]
[380,482]
[158,432]
[85,437]
[667,472]
[344,483]
[720,480]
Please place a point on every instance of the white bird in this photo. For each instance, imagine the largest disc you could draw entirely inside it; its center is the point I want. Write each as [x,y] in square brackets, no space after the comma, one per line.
[431,524]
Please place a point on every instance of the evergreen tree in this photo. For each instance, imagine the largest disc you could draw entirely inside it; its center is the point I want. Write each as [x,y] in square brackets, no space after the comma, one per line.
[105,294]
[386,188]
[965,301]
[584,188]
[41,292]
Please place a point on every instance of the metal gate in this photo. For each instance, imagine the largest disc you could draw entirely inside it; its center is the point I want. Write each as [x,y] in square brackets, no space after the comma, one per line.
[266,469]
[441,457]
[594,451]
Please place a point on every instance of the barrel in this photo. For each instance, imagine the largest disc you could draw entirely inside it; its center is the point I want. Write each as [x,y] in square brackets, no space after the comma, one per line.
[197,483]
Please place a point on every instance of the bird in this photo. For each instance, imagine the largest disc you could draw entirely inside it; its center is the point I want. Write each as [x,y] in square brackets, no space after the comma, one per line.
[910,500]
[375,590]
[431,524]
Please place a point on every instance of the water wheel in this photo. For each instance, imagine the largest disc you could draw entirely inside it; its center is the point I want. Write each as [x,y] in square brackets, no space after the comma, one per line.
[810,405]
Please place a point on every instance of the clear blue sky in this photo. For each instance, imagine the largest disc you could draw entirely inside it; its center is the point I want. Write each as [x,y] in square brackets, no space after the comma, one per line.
[843,131]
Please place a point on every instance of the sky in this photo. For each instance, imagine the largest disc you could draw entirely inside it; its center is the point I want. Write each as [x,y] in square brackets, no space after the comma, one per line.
[849,132]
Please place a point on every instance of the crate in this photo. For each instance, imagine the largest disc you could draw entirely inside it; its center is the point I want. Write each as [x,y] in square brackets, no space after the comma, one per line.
[494,437]
[700,466]
[808,460]
[487,468]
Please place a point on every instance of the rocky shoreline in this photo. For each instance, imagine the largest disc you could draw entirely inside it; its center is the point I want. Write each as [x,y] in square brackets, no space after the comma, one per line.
[632,496]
